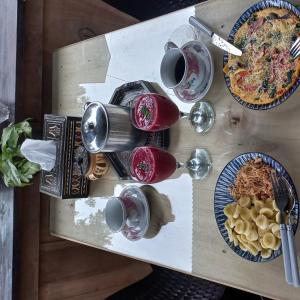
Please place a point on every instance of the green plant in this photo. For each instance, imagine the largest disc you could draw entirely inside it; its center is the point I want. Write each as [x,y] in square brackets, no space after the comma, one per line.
[16,169]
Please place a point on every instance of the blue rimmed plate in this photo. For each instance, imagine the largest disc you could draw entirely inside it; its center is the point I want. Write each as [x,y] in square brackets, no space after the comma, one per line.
[222,198]
[243,18]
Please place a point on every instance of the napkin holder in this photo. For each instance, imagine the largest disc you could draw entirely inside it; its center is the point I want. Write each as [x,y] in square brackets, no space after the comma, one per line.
[67,178]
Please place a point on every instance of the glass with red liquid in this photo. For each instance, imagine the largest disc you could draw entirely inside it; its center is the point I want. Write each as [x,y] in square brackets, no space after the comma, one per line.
[150,164]
[154,112]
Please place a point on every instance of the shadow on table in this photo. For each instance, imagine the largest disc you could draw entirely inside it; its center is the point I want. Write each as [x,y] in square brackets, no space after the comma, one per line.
[160,210]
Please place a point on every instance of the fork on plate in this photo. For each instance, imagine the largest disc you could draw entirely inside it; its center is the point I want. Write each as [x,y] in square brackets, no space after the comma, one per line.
[295,49]
[280,190]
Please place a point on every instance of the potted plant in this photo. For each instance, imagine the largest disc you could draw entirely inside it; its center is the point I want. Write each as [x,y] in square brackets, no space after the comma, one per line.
[16,170]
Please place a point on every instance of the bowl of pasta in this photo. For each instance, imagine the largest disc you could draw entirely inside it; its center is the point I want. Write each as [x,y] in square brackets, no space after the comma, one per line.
[245,209]
[266,74]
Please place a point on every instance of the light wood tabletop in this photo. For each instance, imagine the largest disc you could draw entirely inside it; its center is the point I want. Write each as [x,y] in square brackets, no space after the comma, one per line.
[190,240]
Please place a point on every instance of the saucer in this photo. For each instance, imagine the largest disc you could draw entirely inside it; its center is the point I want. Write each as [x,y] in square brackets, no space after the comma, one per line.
[138,213]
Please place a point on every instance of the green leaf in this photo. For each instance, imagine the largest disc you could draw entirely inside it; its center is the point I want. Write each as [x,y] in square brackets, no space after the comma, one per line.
[146,112]
[272,91]
[18,178]
[29,168]
[9,137]
[1,165]
[20,163]
[289,75]
[242,43]
[7,154]
[12,133]
[143,166]
[6,180]
[14,174]
[24,128]
[265,85]
[11,174]
[17,170]
[12,142]
[25,179]
[18,152]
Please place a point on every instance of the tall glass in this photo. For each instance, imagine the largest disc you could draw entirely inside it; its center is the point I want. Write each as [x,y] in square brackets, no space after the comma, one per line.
[154,112]
[151,164]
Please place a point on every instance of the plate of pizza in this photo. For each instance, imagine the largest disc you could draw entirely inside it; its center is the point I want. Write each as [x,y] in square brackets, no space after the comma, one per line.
[266,74]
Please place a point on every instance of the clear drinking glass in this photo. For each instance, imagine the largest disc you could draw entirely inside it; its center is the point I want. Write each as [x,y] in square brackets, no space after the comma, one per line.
[154,112]
[151,164]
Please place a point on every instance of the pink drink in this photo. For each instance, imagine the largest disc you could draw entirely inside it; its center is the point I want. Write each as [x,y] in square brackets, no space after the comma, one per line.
[151,164]
[154,112]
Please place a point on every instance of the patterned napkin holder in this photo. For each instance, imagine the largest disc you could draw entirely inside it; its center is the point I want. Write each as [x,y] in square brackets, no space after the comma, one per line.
[66,179]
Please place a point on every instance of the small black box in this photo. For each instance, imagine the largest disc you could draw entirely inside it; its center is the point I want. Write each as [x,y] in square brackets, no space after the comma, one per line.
[65,180]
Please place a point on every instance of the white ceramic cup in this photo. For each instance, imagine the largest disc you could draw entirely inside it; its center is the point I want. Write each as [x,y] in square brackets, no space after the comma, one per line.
[168,66]
[192,70]
[115,214]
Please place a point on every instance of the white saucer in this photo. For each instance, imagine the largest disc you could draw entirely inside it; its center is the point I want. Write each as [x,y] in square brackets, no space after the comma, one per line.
[180,37]
[138,213]
[198,94]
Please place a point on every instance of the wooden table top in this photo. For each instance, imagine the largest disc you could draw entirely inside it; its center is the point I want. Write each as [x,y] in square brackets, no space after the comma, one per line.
[190,241]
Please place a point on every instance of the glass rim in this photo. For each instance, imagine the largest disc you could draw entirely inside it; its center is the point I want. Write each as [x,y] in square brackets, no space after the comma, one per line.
[132,110]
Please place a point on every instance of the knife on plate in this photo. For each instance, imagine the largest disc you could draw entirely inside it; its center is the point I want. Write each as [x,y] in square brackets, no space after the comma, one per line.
[215,39]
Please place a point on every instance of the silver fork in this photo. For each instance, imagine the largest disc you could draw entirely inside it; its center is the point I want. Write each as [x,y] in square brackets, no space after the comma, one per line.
[295,49]
[290,233]
[281,203]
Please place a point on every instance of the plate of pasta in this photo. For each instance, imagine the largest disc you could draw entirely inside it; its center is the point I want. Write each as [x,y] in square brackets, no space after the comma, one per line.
[266,74]
[245,209]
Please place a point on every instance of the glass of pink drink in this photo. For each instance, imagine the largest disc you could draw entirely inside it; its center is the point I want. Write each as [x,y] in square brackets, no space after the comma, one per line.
[154,112]
[151,164]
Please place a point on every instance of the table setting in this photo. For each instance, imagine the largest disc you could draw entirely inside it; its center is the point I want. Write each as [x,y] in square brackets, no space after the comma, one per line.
[214,114]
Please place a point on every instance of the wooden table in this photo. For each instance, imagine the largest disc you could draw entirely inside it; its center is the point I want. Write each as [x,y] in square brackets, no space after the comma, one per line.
[190,242]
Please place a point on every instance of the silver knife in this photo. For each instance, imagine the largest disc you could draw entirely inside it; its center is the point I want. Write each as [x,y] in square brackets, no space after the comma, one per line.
[215,39]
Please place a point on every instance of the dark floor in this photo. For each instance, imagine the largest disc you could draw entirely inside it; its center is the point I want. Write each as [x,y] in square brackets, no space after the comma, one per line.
[148,9]
[164,284]
[234,294]
[144,10]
